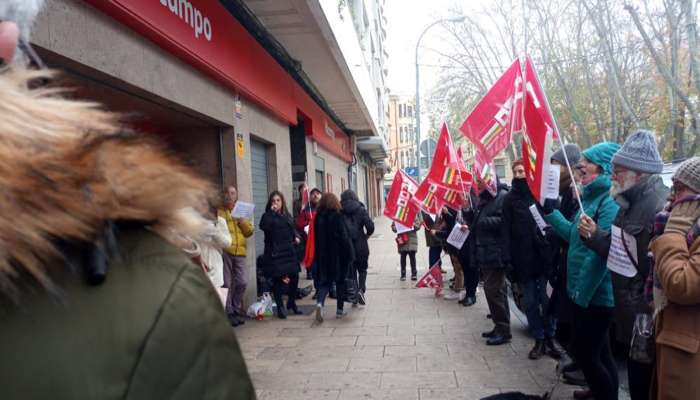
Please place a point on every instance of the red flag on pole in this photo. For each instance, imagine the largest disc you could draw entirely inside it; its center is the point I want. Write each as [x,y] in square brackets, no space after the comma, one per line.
[399,205]
[426,196]
[539,101]
[491,123]
[537,148]
[446,167]
[432,279]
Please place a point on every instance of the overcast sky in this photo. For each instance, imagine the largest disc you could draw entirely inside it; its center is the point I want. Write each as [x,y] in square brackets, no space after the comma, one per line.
[406,19]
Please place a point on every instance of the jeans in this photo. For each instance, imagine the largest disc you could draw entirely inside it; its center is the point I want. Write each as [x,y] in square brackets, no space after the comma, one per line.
[235,281]
[535,302]
[591,350]
[497,298]
[434,255]
[412,257]
[324,288]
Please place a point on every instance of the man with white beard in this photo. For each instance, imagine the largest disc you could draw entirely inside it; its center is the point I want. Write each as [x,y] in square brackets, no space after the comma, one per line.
[640,192]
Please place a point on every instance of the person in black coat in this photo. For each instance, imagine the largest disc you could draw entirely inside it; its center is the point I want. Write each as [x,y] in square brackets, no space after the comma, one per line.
[360,227]
[279,258]
[490,253]
[529,252]
[334,253]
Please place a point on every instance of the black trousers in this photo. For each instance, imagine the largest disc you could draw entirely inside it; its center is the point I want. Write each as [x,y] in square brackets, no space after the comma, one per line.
[278,289]
[471,278]
[412,257]
[496,293]
[434,255]
[639,376]
[360,273]
[591,350]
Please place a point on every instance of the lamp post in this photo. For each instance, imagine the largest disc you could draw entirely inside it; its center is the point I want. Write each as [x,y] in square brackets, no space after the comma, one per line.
[417,107]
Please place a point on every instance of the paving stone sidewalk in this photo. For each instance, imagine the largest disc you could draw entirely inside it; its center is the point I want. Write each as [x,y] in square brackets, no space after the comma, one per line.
[404,345]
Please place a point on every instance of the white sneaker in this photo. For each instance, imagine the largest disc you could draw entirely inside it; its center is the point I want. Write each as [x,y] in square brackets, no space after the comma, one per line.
[451,296]
[319,313]
[462,294]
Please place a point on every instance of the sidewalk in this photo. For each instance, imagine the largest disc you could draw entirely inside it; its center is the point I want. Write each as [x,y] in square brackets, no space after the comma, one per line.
[405,345]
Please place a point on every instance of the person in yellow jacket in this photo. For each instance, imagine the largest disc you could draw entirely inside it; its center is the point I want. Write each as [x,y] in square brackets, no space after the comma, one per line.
[234,258]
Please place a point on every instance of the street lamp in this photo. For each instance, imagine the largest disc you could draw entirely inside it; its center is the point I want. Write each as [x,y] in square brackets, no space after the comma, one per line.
[417,107]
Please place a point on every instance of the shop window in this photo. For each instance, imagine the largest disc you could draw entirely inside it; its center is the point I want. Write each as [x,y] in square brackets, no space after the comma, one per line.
[320,181]
[501,171]
[329,183]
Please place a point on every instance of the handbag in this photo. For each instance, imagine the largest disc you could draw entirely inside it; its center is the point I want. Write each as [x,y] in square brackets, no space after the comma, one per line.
[643,344]
[401,239]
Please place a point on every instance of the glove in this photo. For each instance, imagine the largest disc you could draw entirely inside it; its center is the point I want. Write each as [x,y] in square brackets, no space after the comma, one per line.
[683,216]
[549,206]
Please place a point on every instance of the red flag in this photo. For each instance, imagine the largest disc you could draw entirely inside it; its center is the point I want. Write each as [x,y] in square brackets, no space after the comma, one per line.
[399,205]
[432,279]
[484,172]
[491,123]
[536,147]
[426,196]
[540,102]
[446,167]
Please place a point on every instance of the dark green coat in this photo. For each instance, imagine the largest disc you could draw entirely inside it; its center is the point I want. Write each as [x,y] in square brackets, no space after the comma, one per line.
[155,329]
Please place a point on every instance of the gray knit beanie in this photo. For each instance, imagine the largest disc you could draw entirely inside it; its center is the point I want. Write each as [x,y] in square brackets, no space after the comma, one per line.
[688,174]
[640,153]
[573,153]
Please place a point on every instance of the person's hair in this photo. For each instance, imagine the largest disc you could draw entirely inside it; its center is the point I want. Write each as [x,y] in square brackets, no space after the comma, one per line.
[517,162]
[329,201]
[301,187]
[281,196]
[349,195]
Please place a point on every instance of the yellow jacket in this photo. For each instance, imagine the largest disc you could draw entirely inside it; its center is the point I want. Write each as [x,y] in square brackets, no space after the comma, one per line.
[239,233]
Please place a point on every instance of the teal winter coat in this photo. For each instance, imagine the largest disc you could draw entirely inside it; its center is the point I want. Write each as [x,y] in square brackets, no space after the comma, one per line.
[588,280]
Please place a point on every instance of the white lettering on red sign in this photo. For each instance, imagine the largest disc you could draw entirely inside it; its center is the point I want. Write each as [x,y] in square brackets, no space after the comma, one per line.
[191,15]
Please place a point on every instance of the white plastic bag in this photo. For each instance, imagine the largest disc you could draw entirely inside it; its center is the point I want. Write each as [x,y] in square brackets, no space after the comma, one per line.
[267,304]
[256,310]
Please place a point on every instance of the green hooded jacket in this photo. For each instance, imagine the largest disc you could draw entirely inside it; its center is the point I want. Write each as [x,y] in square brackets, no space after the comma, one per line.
[588,279]
[154,329]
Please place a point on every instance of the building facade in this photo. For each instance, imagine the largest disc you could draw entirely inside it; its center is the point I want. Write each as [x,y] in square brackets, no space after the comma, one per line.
[199,75]
[402,137]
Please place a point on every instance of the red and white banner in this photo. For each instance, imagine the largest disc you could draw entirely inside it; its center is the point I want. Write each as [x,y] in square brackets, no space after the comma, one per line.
[430,196]
[539,101]
[432,279]
[491,123]
[400,206]
[537,148]
[447,168]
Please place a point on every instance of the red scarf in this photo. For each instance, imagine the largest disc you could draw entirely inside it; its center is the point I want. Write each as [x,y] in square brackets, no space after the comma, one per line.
[310,244]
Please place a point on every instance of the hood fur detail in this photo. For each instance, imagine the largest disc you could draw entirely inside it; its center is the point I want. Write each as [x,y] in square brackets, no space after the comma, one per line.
[66,167]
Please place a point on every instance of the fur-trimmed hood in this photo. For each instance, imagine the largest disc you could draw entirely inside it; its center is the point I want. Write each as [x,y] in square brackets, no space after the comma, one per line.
[66,167]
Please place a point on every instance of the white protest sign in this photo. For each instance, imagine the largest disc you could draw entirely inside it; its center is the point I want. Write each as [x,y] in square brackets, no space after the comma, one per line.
[243,210]
[551,183]
[400,228]
[618,259]
[458,236]
[537,217]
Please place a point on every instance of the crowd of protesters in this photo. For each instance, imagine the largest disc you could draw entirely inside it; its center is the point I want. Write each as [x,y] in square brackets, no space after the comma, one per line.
[580,305]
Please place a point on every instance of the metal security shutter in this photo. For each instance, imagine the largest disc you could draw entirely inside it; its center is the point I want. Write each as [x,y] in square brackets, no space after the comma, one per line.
[258,166]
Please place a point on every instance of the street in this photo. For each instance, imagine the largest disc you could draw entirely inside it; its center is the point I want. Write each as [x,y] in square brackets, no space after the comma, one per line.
[405,344]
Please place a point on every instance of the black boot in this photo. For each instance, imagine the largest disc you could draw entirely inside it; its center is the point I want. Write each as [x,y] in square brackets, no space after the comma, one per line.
[293,307]
[552,349]
[403,272]
[537,351]
[280,305]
